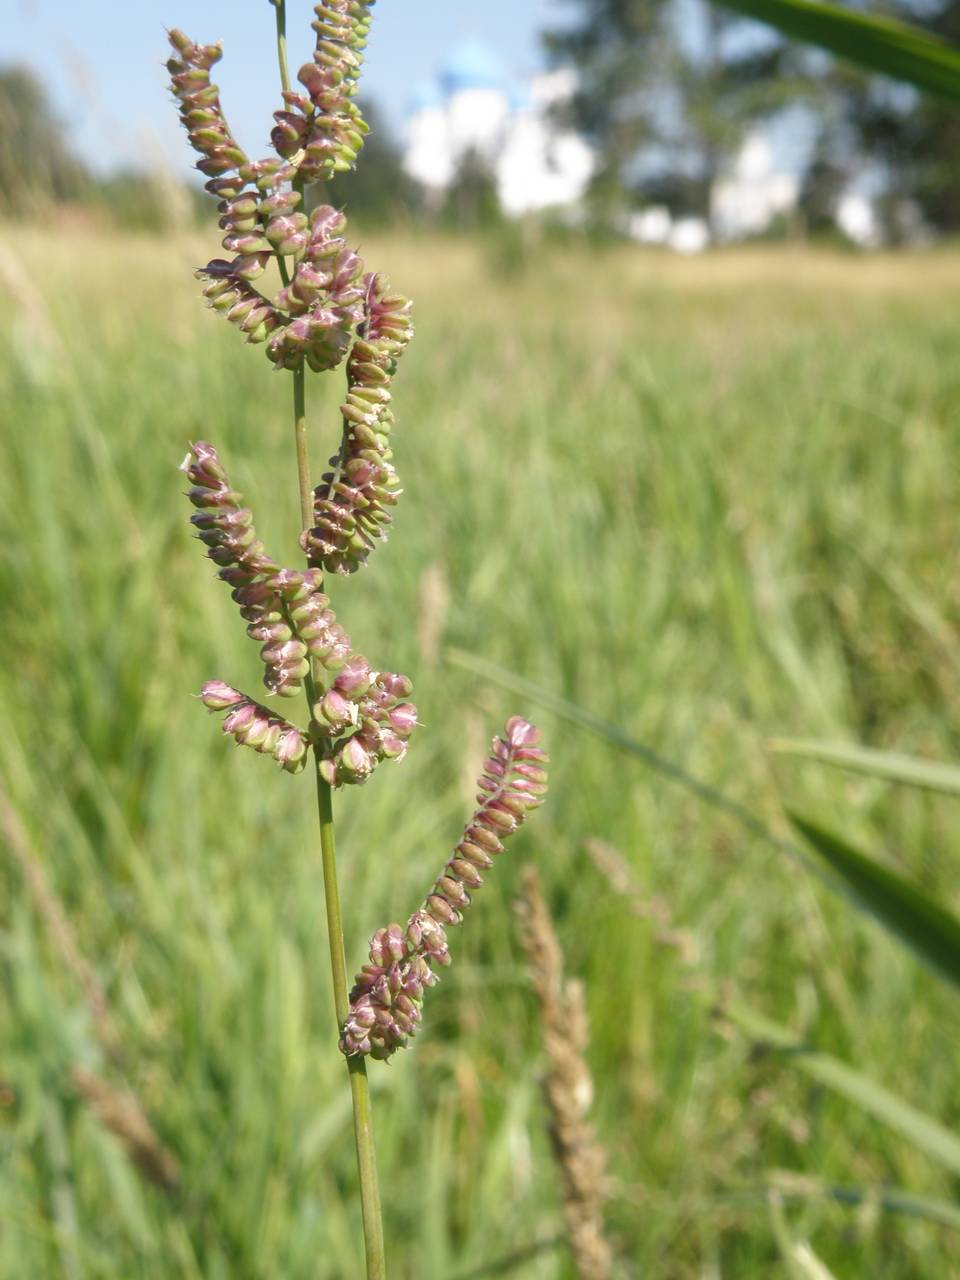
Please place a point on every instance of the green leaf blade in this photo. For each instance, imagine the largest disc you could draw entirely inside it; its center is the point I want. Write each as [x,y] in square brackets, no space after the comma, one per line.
[922,1130]
[911,771]
[880,44]
[930,930]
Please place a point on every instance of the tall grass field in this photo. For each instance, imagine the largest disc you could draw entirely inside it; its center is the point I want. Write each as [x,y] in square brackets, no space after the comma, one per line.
[708,502]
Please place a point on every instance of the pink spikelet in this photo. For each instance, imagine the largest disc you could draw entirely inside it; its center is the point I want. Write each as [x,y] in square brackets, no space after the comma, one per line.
[256,726]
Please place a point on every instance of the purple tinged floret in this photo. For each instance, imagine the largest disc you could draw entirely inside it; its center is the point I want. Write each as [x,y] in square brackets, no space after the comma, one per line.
[323,128]
[256,726]
[368,704]
[313,319]
[328,311]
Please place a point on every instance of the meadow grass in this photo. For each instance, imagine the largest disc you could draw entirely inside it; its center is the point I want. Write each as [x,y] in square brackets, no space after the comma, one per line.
[711,501]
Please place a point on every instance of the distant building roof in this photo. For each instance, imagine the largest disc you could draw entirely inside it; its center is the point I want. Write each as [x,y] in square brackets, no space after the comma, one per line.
[472,65]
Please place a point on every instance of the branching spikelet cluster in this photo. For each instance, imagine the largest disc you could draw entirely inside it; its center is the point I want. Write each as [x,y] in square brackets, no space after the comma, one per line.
[200,111]
[313,318]
[327,309]
[385,1003]
[352,502]
[258,216]
[370,707]
[323,128]
[324,300]
[259,588]
[363,717]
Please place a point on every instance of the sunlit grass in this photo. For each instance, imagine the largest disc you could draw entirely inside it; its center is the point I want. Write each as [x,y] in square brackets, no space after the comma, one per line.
[712,501]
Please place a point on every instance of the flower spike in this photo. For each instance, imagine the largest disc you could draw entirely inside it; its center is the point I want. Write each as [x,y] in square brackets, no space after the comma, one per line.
[364,716]
[327,311]
[352,503]
[200,111]
[322,130]
[388,991]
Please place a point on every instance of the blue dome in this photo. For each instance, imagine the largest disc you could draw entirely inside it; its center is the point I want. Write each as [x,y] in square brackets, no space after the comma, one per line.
[425,95]
[472,65]
[521,99]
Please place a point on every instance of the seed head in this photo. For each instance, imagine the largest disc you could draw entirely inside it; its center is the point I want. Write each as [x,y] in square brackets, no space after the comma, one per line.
[352,503]
[401,961]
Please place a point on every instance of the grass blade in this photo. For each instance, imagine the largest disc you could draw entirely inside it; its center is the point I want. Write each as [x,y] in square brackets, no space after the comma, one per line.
[801,1262]
[931,775]
[923,1131]
[930,930]
[796,1186]
[614,734]
[877,43]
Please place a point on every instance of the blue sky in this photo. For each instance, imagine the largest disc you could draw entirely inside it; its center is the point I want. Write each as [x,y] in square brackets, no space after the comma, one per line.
[102,61]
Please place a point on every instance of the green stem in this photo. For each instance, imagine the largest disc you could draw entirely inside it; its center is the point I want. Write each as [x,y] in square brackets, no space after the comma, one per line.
[356,1065]
[281,7]
[300,440]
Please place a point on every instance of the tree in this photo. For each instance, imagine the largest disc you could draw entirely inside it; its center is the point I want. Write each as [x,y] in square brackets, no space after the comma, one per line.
[378,190]
[471,202]
[37,163]
[909,136]
[667,91]
[916,140]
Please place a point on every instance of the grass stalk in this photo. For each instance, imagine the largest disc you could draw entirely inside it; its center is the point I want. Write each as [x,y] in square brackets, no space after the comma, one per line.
[356,1065]
[281,7]
[567,1087]
[359,1085]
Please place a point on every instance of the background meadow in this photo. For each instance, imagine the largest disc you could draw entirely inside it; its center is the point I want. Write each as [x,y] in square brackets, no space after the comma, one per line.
[711,502]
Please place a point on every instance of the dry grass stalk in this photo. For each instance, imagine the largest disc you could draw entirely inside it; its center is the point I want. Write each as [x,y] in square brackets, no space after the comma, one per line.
[61,932]
[120,1111]
[117,1109]
[567,1086]
[617,871]
[434,605]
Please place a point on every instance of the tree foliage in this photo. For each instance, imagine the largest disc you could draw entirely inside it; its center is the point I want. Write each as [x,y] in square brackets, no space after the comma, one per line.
[379,189]
[910,136]
[915,138]
[37,163]
[667,91]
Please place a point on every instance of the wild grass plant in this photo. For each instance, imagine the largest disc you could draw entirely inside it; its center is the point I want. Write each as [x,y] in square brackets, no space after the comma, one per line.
[325,311]
[709,502]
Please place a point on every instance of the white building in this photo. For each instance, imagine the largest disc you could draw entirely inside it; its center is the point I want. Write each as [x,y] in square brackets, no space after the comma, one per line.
[473,107]
[754,193]
[744,202]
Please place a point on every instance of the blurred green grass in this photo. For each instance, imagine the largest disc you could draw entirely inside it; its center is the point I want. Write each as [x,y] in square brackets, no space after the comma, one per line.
[711,501]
